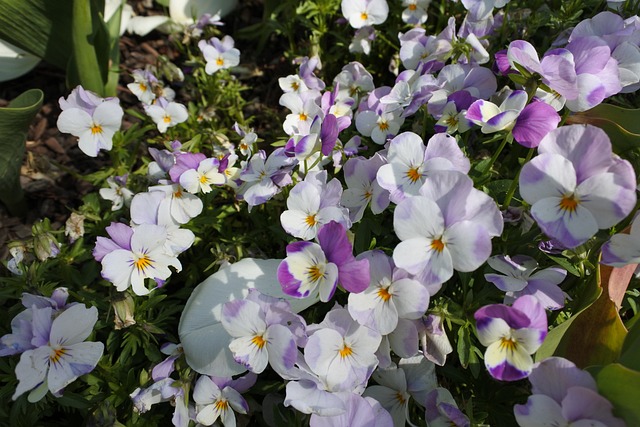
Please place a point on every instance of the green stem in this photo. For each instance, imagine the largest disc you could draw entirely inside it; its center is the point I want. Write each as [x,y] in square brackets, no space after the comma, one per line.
[497,153]
[514,184]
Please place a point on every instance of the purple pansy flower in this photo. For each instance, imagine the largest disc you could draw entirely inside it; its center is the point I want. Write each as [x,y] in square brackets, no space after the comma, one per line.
[511,335]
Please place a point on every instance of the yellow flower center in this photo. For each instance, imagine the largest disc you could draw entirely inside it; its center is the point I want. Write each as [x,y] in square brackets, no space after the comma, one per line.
[143,263]
[413,174]
[303,117]
[203,179]
[569,203]
[219,62]
[310,220]
[437,245]
[166,119]
[177,194]
[400,398]
[412,7]
[222,405]
[345,351]
[368,195]
[295,86]
[384,294]
[508,344]
[383,125]
[451,121]
[315,273]
[143,87]
[96,128]
[364,16]
[55,356]
[258,341]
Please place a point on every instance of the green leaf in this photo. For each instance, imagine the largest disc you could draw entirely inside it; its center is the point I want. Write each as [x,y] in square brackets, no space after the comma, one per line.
[621,386]
[630,355]
[564,263]
[621,124]
[14,124]
[464,346]
[85,67]
[41,27]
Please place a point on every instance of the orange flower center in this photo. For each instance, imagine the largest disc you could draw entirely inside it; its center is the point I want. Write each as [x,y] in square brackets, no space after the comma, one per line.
[143,263]
[311,220]
[364,16]
[315,273]
[412,7]
[96,128]
[437,245]
[219,62]
[384,294]
[383,125]
[55,356]
[413,174]
[345,351]
[569,203]
[258,341]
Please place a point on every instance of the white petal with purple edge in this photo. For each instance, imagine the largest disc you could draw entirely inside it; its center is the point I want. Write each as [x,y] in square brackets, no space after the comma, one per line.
[540,410]
[469,245]
[547,175]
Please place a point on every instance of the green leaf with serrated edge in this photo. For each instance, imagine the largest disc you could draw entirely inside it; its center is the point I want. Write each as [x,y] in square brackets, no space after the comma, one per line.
[14,124]
[621,386]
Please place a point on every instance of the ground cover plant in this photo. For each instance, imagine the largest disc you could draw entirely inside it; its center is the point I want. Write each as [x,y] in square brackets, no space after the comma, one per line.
[326,213]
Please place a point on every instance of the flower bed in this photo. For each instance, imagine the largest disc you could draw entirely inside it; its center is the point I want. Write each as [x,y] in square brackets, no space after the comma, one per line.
[435,225]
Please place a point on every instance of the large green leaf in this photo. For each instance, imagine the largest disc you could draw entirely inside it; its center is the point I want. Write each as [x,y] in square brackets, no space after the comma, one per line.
[595,335]
[630,356]
[14,124]
[621,386]
[41,27]
[621,124]
[88,64]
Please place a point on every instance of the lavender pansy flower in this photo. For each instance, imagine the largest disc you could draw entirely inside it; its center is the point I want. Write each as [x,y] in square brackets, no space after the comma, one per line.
[447,227]
[313,203]
[409,163]
[92,119]
[263,330]
[511,335]
[360,412]
[623,249]
[341,351]
[219,54]
[363,13]
[312,268]
[576,185]
[60,355]
[391,295]
[214,402]
[522,277]
[363,188]
[441,410]
[563,395]
[527,123]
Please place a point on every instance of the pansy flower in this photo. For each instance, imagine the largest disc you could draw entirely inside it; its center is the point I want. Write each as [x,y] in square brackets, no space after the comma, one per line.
[511,335]
[576,185]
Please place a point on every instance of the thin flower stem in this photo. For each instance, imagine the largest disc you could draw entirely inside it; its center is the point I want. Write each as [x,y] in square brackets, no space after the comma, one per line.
[497,153]
[514,184]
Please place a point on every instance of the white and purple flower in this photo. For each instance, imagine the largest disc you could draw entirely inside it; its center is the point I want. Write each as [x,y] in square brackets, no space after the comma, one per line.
[576,185]
[511,335]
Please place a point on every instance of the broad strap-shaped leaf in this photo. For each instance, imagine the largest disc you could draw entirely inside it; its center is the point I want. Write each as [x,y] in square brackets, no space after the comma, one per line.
[41,27]
[14,124]
[621,386]
[621,124]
